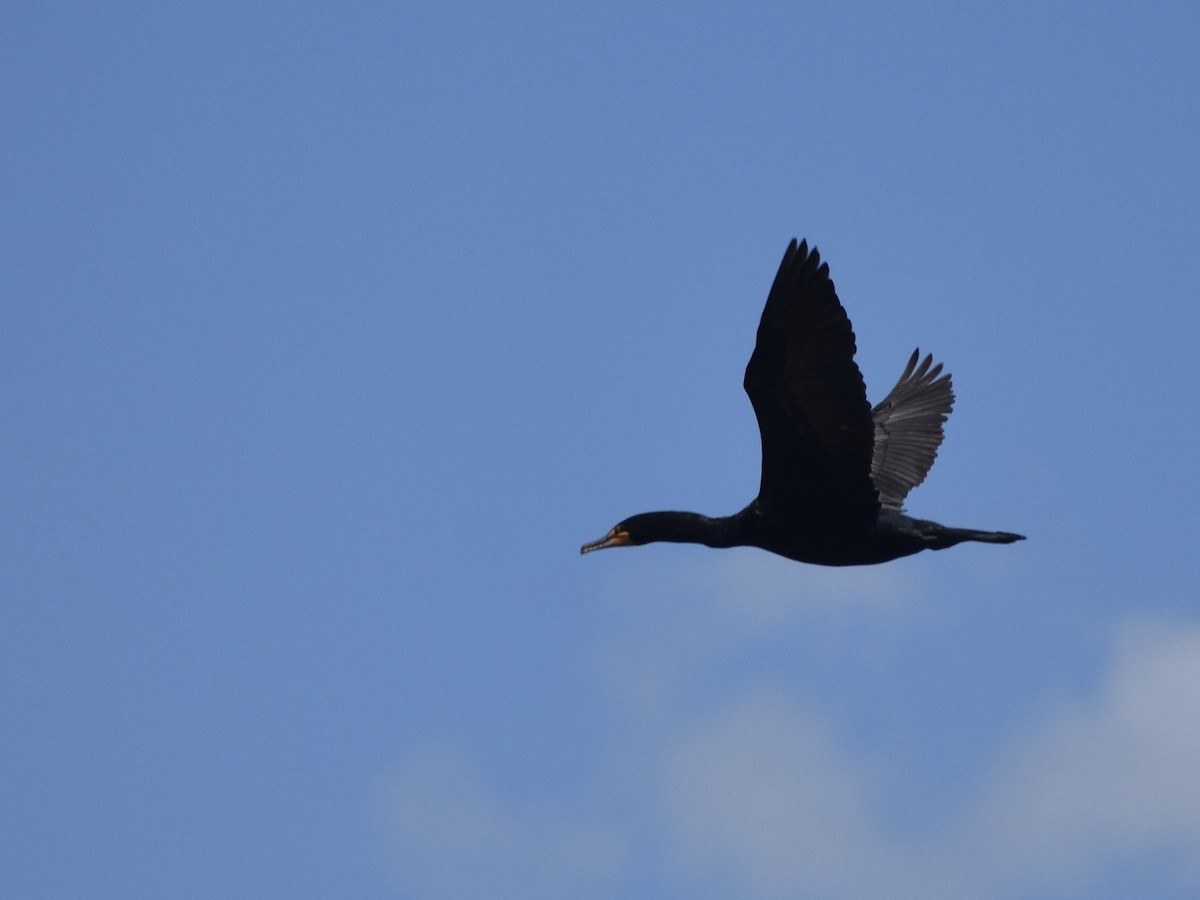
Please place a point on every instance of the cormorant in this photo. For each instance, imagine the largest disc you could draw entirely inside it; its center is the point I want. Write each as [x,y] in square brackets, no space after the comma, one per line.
[834,471]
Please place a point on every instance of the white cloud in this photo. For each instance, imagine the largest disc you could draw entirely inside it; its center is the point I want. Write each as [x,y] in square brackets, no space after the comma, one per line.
[764,795]
[1110,779]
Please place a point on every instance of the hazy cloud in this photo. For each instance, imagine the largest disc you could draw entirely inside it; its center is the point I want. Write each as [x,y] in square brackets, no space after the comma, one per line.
[762,796]
[754,793]
[452,836]
[718,607]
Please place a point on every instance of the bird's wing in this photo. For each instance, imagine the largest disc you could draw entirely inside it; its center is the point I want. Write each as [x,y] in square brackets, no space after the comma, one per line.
[810,399]
[908,429]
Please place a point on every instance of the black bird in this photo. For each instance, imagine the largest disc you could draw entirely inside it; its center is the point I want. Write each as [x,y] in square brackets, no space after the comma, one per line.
[834,471]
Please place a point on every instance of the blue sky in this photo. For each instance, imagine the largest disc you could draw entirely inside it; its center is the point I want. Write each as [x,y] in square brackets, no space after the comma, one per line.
[330,333]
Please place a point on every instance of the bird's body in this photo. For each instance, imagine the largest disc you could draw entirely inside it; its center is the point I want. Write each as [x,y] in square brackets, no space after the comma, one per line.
[835,472]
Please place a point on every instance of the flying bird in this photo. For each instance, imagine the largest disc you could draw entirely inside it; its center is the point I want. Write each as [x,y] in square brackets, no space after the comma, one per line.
[835,472]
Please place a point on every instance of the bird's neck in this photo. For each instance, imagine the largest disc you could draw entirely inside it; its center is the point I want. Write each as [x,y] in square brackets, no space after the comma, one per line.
[689,528]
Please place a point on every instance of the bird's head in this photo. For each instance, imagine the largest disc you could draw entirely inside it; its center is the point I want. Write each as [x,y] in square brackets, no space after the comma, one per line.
[645,528]
[619,535]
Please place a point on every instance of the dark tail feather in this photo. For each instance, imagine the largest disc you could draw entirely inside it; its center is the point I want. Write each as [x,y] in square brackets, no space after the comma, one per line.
[945,537]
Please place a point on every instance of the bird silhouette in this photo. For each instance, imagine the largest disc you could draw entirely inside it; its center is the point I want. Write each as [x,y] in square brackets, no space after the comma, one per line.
[835,472]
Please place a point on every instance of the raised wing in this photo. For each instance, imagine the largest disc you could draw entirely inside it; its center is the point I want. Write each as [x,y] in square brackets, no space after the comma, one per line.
[908,429]
[810,400]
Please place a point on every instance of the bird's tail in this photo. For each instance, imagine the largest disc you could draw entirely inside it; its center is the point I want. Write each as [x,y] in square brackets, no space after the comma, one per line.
[943,537]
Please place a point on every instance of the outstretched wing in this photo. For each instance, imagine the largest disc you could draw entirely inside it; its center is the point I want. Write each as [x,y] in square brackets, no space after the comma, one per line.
[810,400]
[908,429]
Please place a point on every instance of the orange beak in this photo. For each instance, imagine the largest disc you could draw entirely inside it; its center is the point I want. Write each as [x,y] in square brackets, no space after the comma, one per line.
[614,538]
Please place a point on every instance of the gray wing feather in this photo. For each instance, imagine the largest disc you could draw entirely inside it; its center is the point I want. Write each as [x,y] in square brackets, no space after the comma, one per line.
[908,429]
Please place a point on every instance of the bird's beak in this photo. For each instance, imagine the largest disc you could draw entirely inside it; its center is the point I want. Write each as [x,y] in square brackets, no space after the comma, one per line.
[614,538]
